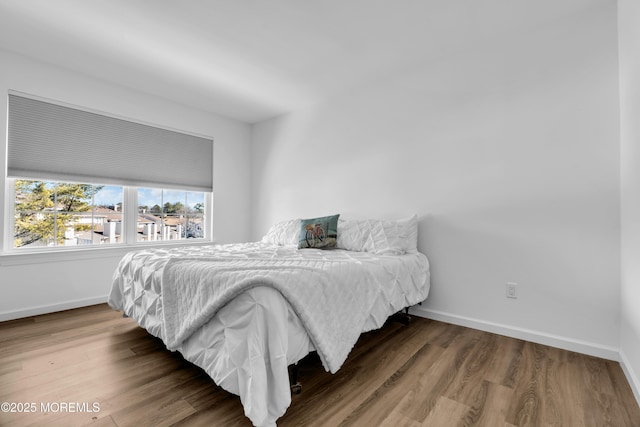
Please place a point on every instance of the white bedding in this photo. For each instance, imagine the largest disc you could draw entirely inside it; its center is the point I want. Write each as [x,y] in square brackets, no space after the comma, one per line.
[244,312]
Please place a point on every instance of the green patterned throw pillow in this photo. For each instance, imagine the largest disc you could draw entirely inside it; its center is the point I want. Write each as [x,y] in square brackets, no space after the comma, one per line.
[318,232]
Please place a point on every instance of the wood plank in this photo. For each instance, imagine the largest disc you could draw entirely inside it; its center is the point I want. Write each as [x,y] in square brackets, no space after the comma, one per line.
[347,389]
[433,382]
[446,412]
[526,407]
[375,409]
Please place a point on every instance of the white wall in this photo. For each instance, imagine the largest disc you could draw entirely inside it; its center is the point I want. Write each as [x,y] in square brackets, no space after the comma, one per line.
[508,152]
[34,284]
[629,42]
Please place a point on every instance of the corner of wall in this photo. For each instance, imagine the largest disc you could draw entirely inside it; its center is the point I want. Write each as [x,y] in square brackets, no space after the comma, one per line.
[632,377]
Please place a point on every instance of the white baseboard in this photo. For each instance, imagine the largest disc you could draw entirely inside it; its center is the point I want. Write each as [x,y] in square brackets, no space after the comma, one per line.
[564,343]
[633,379]
[44,309]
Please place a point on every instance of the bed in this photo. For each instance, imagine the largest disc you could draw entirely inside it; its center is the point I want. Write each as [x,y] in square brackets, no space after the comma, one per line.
[246,312]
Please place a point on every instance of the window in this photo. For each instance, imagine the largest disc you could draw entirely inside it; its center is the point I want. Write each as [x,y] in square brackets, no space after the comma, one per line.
[48,213]
[54,214]
[155,183]
[170,214]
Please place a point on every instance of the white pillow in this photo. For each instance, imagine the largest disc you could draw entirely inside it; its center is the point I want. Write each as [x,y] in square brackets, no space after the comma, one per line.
[353,234]
[411,229]
[384,237]
[283,233]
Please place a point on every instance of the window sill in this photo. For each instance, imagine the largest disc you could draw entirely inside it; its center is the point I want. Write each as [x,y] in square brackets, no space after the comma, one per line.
[63,254]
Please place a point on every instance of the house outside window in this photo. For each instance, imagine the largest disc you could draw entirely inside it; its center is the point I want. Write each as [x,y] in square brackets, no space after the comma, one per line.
[170,214]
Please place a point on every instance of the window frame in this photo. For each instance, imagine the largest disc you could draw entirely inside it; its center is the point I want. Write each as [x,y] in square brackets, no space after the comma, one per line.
[166,215]
[129,217]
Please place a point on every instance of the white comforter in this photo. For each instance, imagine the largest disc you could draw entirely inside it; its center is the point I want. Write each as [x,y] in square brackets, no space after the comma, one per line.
[264,307]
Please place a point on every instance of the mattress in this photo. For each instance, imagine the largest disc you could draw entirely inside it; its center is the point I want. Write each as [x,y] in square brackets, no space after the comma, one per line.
[268,318]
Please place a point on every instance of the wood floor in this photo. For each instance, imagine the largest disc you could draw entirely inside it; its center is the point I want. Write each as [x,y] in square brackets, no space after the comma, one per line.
[426,374]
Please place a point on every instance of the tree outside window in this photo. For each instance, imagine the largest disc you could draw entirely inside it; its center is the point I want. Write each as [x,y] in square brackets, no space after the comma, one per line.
[61,214]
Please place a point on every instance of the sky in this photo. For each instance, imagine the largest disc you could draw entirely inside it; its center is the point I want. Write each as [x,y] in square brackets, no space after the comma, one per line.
[112,195]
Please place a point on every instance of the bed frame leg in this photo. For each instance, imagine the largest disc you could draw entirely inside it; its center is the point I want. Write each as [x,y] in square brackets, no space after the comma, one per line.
[296,387]
[401,317]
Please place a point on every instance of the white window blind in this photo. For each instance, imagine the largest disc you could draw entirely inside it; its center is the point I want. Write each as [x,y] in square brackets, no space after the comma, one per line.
[55,142]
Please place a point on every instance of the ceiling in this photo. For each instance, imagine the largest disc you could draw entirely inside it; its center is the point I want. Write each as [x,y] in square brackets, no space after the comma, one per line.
[254,59]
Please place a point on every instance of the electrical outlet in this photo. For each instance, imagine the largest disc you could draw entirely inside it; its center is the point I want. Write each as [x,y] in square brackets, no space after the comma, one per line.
[512,290]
